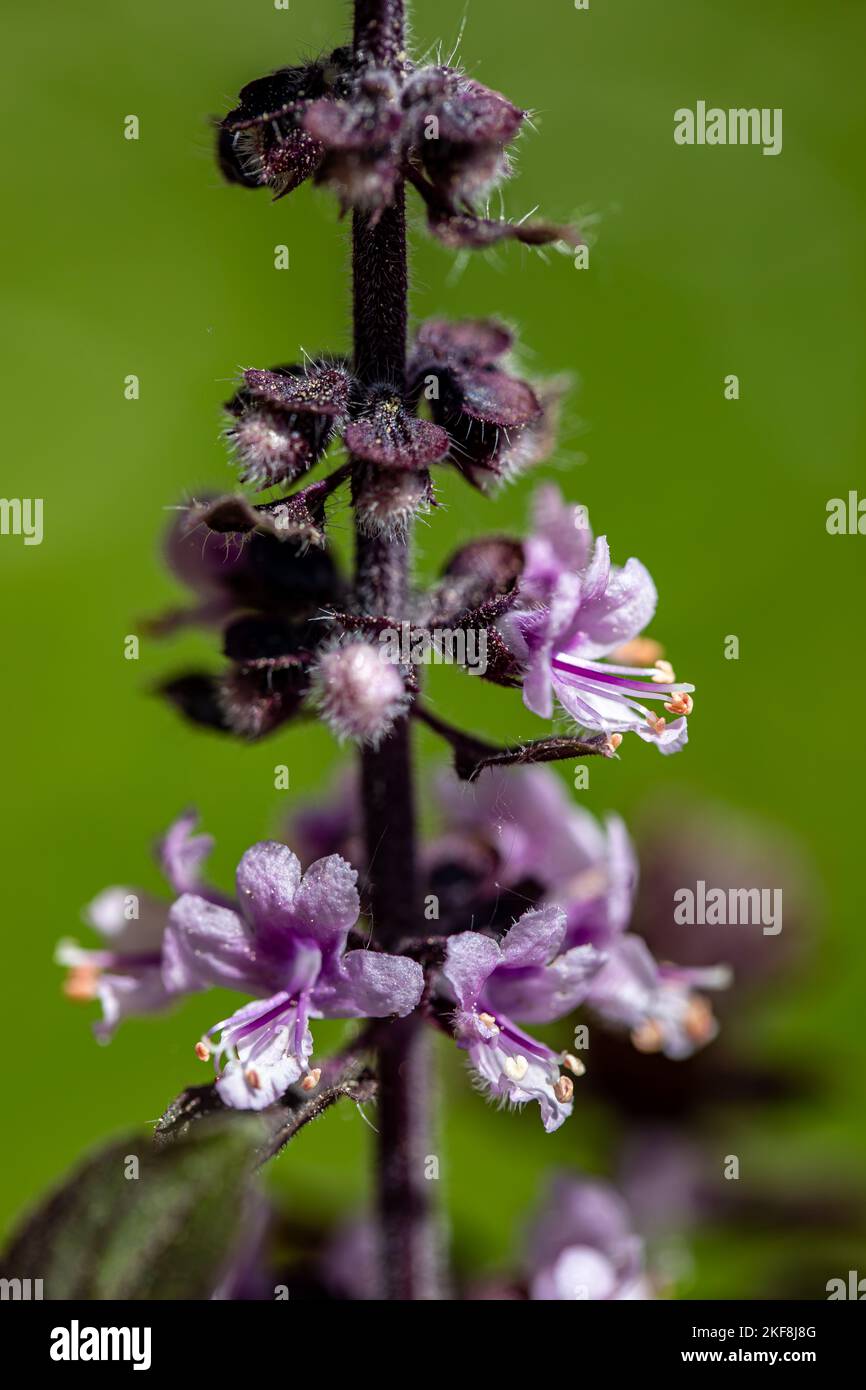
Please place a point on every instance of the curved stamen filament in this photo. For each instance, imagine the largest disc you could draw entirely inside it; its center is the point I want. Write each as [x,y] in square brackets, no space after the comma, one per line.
[623,678]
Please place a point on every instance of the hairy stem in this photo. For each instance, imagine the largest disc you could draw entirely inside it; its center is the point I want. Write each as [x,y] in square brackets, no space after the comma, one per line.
[380,292]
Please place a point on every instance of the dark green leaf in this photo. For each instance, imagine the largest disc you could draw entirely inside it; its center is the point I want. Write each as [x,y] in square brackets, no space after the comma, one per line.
[167,1233]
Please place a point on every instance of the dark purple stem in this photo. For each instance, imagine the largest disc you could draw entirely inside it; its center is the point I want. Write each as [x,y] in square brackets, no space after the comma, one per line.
[409,1258]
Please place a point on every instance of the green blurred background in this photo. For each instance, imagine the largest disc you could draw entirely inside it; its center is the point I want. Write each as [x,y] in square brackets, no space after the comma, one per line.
[132,257]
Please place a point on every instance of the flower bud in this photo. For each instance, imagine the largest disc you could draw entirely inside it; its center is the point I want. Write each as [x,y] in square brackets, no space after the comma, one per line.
[359,692]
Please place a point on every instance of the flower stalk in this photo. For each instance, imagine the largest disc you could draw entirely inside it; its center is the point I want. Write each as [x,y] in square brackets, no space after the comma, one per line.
[408,1228]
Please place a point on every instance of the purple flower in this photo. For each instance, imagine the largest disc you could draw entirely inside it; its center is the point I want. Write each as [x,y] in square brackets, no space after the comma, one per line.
[126,975]
[534,835]
[657,1003]
[582,1246]
[583,610]
[526,817]
[286,945]
[531,975]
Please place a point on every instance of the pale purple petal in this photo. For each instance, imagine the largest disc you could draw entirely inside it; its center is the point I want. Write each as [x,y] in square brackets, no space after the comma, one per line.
[579,1212]
[624,989]
[620,610]
[582,1245]
[181,854]
[655,1002]
[470,960]
[565,611]
[538,687]
[264,1060]
[544,993]
[208,945]
[671,739]
[526,814]
[267,880]
[535,938]
[126,996]
[327,903]
[622,875]
[517,1069]
[578,1273]
[596,579]
[560,541]
[370,984]
[599,899]
[601,712]
[527,635]
[128,920]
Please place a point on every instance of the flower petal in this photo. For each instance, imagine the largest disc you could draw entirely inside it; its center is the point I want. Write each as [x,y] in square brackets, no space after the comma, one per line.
[632,990]
[267,1059]
[370,984]
[535,937]
[268,878]
[110,913]
[128,996]
[470,960]
[559,543]
[618,610]
[545,993]
[516,1076]
[579,1272]
[181,853]
[672,738]
[327,903]
[208,945]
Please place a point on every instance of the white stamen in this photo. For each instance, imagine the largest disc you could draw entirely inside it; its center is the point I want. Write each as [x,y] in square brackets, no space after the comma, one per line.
[516,1067]
[663,673]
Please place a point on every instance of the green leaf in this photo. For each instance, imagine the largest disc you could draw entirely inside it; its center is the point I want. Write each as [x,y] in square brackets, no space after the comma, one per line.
[136,1222]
